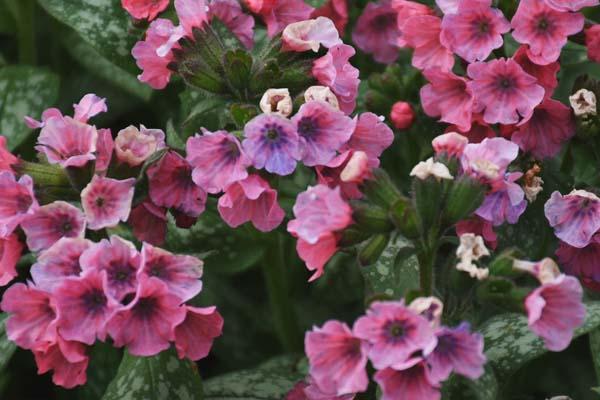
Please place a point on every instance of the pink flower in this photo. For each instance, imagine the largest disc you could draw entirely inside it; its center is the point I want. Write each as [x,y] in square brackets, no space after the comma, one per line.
[544,29]
[316,255]
[334,70]
[83,307]
[554,310]
[51,222]
[230,13]
[149,223]
[503,91]
[144,9]
[195,335]
[89,106]
[61,260]
[251,200]
[7,159]
[272,142]
[259,6]
[478,131]
[448,6]
[180,273]
[147,324]
[551,125]
[121,262]
[489,159]
[46,115]
[592,42]
[155,71]
[480,227]
[171,185]
[448,96]
[371,136]
[322,130]
[395,333]
[505,202]
[278,14]
[16,203]
[310,35]
[10,253]
[575,217]
[32,321]
[67,359]
[475,30]
[133,146]
[582,263]
[347,171]
[335,10]
[104,150]
[308,390]
[422,33]
[545,74]
[337,359]
[402,115]
[192,14]
[107,201]
[218,160]
[377,32]
[453,144]
[457,350]
[571,5]
[414,382]
[67,142]
[406,10]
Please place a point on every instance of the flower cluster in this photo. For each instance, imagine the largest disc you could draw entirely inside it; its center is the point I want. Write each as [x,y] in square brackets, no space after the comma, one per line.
[407,345]
[79,290]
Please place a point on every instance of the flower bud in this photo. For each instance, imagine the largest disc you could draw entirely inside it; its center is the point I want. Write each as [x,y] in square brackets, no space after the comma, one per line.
[428,195]
[321,93]
[404,217]
[381,190]
[464,197]
[133,147]
[583,103]
[277,101]
[371,218]
[371,252]
[402,115]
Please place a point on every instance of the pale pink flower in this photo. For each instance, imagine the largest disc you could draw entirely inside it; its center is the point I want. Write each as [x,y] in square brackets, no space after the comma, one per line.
[277,14]
[489,159]
[155,71]
[17,201]
[310,35]
[195,335]
[149,223]
[251,200]
[451,143]
[448,6]
[475,30]
[67,142]
[413,382]
[89,106]
[422,33]
[505,202]
[371,136]
[337,359]
[575,217]
[503,91]
[377,32]
[571,5]
[146,326]
[46,115]
[192,14]
[10,253]
[7,159]
[230,13]
[544,29]
[51,222]
[144,9]
[133,146]
[107,201]
[104,150]
[67,360]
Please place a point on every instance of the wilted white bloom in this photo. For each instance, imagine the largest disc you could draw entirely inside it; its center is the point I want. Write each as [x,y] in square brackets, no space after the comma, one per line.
[430,307]
[545,271]
[321,93]
[277,101]
[472,248]
[425,169]
[583,102]
[533,189]
[561,398]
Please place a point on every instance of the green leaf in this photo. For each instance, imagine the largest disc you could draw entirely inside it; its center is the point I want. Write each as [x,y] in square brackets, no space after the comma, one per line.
[269,381]
[161,377]
[102,23]
[595,350]
[510,344]
[105,360]
[7,348]
[484,388]
[24,91]
[396,272]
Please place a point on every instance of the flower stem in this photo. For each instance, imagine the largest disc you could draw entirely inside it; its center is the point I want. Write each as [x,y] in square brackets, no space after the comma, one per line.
[24,13]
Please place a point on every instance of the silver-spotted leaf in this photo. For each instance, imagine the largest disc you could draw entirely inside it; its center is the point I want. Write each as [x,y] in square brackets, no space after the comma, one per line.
[7,348]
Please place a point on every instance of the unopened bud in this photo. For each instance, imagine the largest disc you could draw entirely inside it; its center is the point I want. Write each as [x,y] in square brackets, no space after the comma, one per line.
[371,218]
[321,93]
[464,197]
[277,101]
[402,115]
[371,252]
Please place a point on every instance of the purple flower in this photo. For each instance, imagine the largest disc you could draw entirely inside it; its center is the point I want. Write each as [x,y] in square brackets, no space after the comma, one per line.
[412,382]
[574,217]
[506,201]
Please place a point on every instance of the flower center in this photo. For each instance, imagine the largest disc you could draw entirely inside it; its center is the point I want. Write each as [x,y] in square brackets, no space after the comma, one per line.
[274,101]
[395,330]
[272,134]
[384,21]
[23,203]
[145,307]
[94,300]
[100,201]
[66,228]
[307,127]
[483,27]
[232,151]
[543,24]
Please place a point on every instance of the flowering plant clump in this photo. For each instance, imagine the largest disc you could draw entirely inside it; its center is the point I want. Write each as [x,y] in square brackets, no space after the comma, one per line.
[300,200]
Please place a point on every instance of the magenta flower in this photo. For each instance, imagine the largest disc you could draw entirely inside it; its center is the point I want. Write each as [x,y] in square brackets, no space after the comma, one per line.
[503,91]
[67,142]
[544,29]
[479,130]
[347,171]
[155,71]
[83,307]
[147,324]
[10,253]
[251,200]
[316,255]
[217,159]
[89,106]
[149,223]
[107,201]
[61,260]
[413,382]
[545,74]
[480,227]
[7,159]
[104,150]
[475,30]
[592,42]
[457,350]
[231,14]
[121,262]
[322,130]
[51,222]
[334,70]
[180,273]
[371,136]
[571,5]
[277,14]
[171,185]
[337,359]
[582,263]
[422,33]
[453,144]
[67,360]
[395,333]
[195,335]
[543,135]
[377,32]
[272,143]
[32,316]
[575,217]
[144,9]
[16,203]
[133,146]
[405,11]
[310,35]
[335,10]
[554,310]
[505,202]
[489,159]
[447,96]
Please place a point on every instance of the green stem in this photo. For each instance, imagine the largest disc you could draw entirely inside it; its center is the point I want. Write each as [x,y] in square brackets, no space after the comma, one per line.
[426,263]
[282,308]
[24,13]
